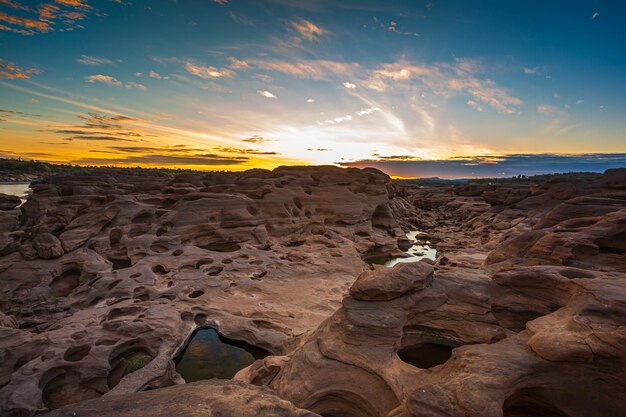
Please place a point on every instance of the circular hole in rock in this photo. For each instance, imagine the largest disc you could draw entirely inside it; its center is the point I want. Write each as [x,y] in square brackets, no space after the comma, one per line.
[341,403]
[425,355]
[76,353]
[66,389]
[65,283]
[159,269]
[531,402]
[196,294]
[203,262]
[131,360]
[120,263]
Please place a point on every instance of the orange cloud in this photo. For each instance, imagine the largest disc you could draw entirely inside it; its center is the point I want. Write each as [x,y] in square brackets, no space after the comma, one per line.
[10,70]
[208,72]
[25,23]
[308,30]
[44,16]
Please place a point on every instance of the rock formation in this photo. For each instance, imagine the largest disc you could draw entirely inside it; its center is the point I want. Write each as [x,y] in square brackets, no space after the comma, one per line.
[523,316]
[97,268]
[522,313]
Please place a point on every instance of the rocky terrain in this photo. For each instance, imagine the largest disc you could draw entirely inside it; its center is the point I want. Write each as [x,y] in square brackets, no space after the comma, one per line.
[522,313]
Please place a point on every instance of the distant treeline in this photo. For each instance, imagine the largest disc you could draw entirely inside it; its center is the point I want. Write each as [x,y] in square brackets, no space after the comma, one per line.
[523,179]
[519,179]
[23,166]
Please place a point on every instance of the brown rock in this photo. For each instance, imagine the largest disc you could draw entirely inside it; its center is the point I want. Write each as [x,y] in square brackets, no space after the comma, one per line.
[9,202]
[48,246]
[389,283]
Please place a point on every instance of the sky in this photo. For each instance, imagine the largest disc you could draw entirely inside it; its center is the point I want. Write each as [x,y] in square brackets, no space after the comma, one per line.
[446,88]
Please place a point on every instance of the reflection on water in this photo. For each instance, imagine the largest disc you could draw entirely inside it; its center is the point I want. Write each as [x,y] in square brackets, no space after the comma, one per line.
[422,249]
[20,190]
[209,355]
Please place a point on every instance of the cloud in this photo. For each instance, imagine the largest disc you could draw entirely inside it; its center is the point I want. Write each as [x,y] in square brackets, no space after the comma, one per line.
[580,101]
[104,79]
[595,16]
[102,127]
[99,138]
[368,111]
[93,61]
[266,94]
[44,17]
[349,86]
[221,2]
[549,110]
[130,85]
[245,151]
[9,70]
[113,82]
[243,20]
[153,74]
[256,139]
[237,64]
[531,71]
[475,105]
[33,101]
[336,120]
[491,165]
[168,160]
[208,72]
[308,30]
[307,69]
[446,80]
[310,100]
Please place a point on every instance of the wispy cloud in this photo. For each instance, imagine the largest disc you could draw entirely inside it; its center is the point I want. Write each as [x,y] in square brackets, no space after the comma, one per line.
[208,71]
[462,77]
[349,86]
[256,139]
[113,82]
[93,61]
[104,79]
[308,69]
[595,16]
[208,159]
[308,30]
[10,70]
[266,94]
[549,110]
[530,70]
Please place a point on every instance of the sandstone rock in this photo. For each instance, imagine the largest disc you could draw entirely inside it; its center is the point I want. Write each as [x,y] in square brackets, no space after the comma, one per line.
[389,283]
[9,202]
[200,399]
[47,246]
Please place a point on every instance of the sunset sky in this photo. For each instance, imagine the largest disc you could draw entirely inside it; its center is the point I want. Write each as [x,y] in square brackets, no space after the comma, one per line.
[417,88]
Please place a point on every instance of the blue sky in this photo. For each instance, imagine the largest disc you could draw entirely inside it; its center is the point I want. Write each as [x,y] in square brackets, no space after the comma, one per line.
[240,84]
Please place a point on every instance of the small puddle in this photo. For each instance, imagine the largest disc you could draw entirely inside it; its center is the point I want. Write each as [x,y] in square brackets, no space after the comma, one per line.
[210,355]
[420,250]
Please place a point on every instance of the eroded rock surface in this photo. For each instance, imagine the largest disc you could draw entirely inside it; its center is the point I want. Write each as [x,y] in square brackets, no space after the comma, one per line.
[102,270]
[214,398]
[524,315]
[521,314]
